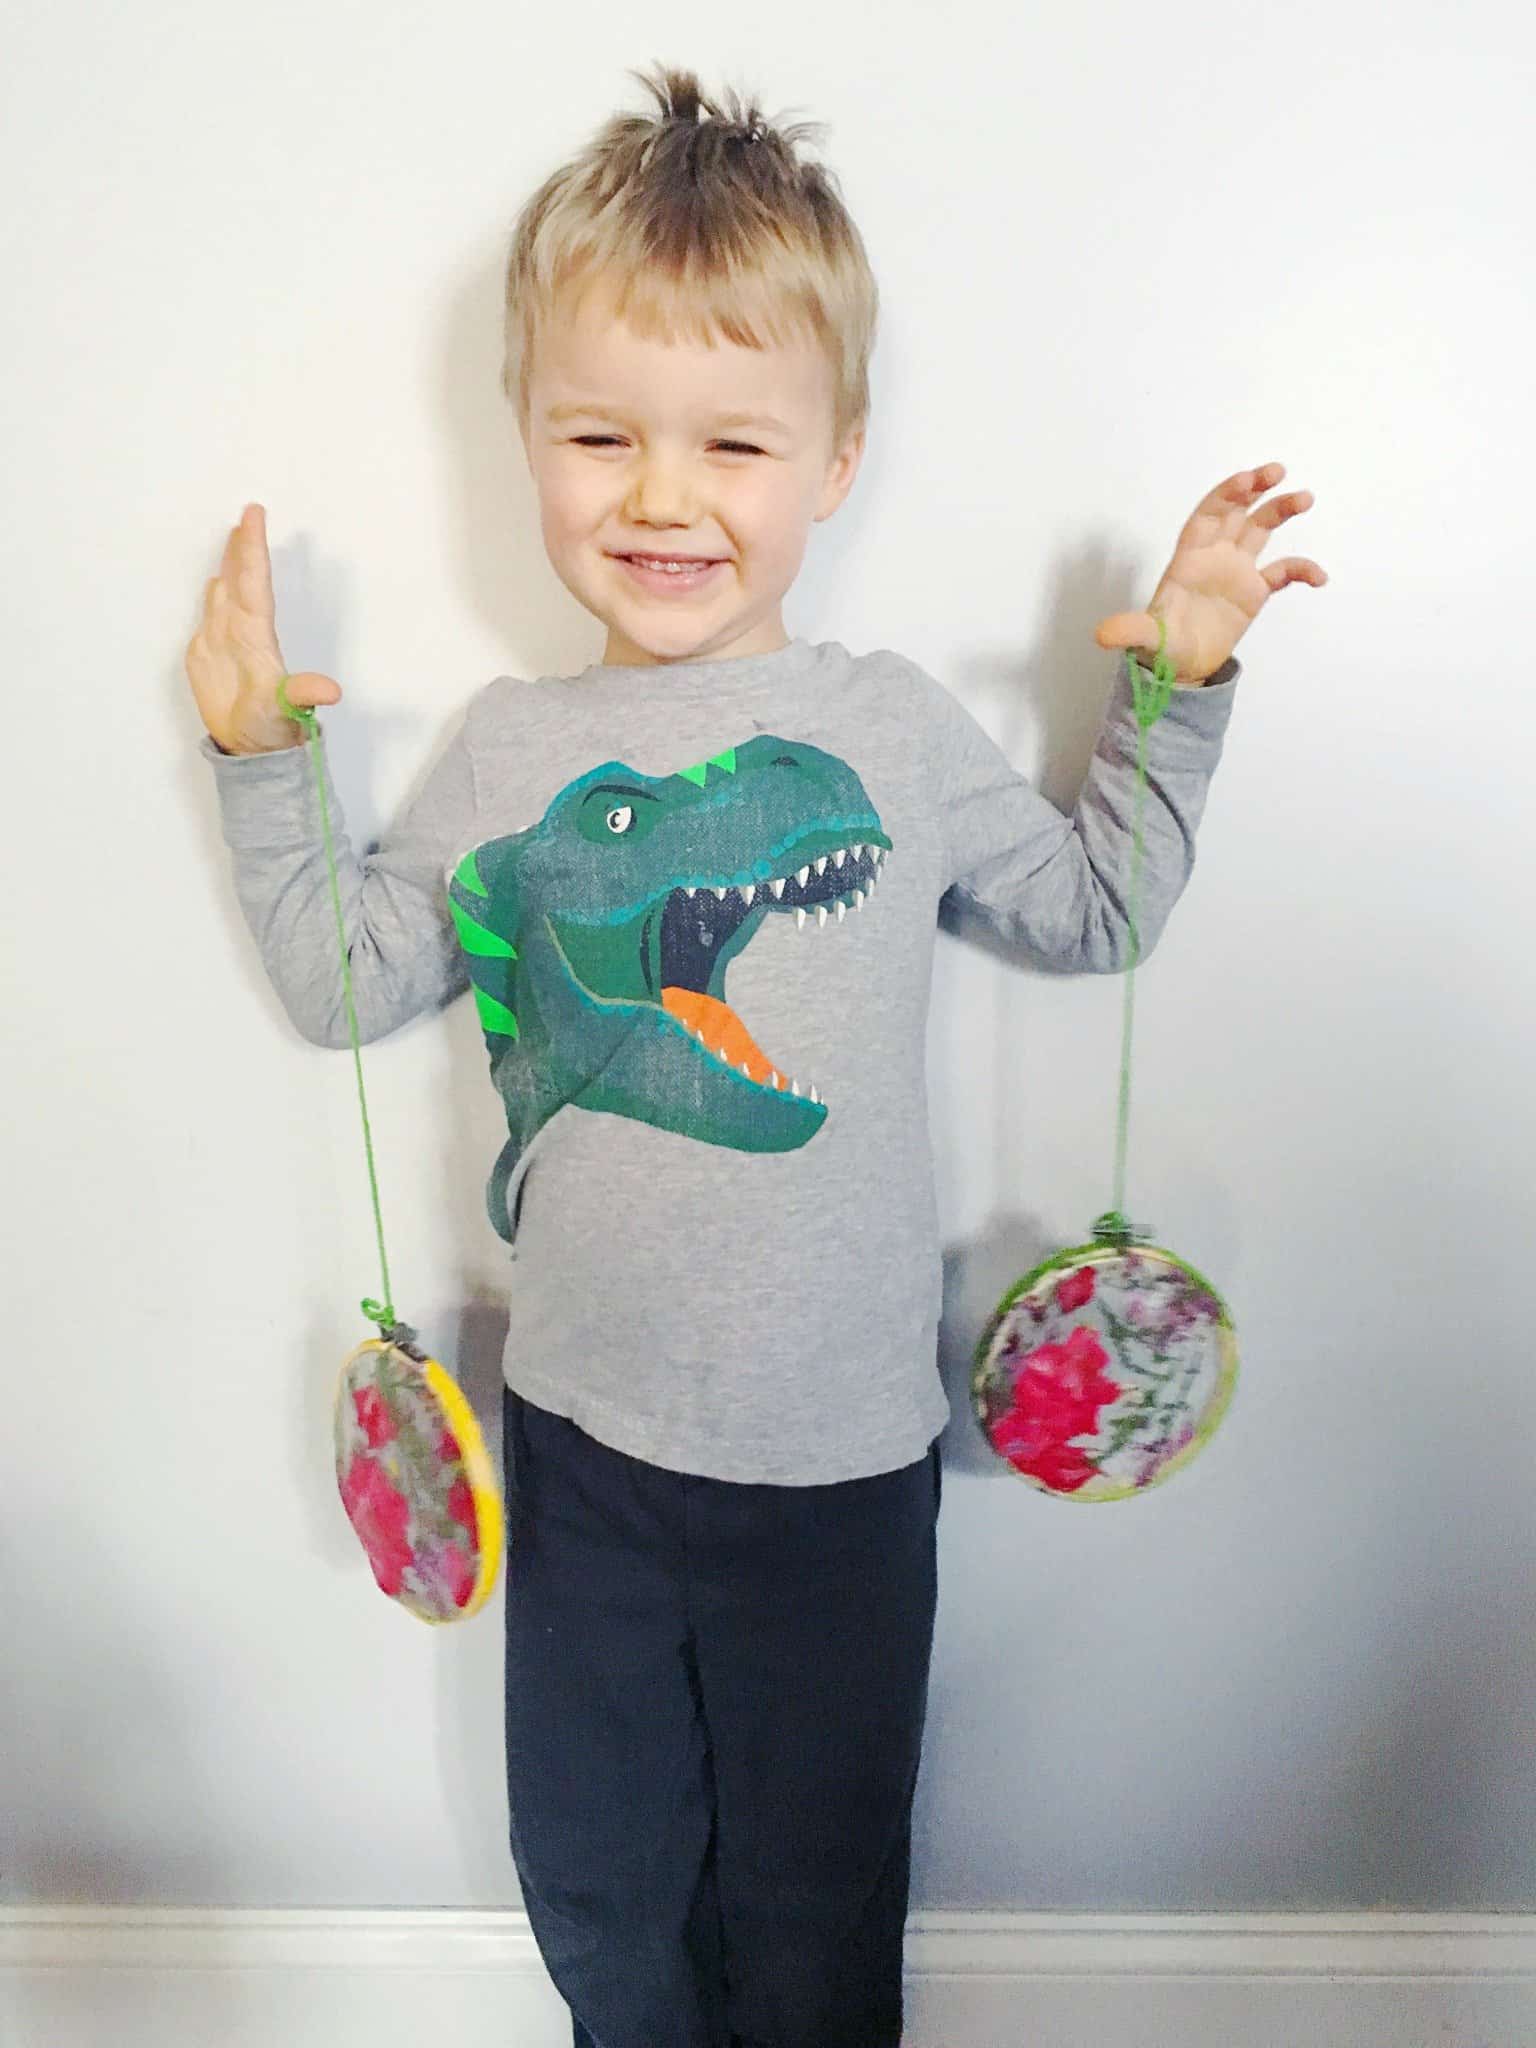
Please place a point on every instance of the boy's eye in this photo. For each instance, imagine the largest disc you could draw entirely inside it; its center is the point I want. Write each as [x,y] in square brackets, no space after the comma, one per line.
[598,440]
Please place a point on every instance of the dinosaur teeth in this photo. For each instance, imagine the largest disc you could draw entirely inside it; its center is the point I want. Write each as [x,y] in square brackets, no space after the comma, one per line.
[776,884]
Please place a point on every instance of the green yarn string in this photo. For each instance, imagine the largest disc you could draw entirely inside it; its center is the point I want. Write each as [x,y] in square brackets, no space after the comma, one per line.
[380,1312]
[1151,692]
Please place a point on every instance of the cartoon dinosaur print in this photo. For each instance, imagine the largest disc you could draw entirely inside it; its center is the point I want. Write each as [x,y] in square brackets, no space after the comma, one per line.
[598,939]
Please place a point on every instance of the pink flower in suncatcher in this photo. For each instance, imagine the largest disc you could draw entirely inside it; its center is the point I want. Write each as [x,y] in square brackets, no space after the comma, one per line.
[1162,1451]
[461,1504]
[1065,1385]
[1029,1447]
[461,1574]
[448,1448]
[381,1514]
[1076,1290]
[374,1419]
[447,1568]
[1058,1394]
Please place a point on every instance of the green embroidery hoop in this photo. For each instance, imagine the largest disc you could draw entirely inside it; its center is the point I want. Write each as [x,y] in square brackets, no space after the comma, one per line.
[1108,1367]
[415,1477]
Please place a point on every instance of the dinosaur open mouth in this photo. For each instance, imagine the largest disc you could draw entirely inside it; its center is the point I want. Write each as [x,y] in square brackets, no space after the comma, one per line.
[697,921]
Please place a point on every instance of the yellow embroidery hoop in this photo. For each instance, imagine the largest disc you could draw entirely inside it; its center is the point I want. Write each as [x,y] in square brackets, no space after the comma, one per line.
[368,1365]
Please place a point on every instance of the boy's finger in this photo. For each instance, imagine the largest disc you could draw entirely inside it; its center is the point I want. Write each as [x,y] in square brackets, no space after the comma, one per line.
[255,562]
[309,690]
[247,537]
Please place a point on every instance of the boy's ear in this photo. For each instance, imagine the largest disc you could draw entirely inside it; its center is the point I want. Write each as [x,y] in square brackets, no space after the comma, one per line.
[843,469]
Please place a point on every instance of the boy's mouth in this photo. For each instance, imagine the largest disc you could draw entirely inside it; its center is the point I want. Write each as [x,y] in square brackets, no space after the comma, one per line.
[659,574]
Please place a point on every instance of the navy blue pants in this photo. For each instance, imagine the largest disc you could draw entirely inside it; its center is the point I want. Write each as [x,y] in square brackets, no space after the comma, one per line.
[715,1698]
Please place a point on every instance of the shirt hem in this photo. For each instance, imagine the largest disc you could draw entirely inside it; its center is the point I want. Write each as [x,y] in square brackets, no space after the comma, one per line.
[628,1434]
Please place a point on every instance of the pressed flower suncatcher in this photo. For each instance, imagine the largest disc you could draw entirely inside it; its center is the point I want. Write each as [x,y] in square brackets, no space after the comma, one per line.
[416,1480]
[414,1475]
[1107,1368]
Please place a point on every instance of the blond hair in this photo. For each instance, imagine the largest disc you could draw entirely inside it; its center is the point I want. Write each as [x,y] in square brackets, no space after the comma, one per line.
[701,219]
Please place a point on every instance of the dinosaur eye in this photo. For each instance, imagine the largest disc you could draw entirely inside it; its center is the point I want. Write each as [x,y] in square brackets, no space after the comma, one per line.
[621,817]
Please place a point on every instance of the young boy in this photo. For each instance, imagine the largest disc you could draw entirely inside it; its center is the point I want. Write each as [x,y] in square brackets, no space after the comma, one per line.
[721,1414]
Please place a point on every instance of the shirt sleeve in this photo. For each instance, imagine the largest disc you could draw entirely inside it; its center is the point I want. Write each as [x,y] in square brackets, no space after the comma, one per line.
[401,944]
[1057,887]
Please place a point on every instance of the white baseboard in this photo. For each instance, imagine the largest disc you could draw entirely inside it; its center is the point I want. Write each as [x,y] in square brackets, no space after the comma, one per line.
[149,1977]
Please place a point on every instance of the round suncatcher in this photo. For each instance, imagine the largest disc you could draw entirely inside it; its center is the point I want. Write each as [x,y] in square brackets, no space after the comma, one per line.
[1107,1368]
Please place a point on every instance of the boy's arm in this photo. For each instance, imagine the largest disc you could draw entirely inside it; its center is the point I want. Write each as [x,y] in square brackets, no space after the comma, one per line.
[402,947]
[1057,887]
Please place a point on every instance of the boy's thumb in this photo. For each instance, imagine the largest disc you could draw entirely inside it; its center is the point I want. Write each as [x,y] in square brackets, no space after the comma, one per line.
[308,690]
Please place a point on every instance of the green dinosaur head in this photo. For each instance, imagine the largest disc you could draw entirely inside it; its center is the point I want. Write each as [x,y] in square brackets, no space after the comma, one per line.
[598,939]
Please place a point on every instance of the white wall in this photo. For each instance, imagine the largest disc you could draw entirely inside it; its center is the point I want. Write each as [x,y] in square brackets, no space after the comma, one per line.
[1123,252]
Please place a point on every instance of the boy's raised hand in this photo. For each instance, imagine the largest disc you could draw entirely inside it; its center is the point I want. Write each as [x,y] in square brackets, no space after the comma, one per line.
[1213,589]
[233,660]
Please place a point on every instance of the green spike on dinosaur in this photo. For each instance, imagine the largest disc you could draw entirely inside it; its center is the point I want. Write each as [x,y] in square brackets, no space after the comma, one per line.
[700,770]
[475,938]
[469,874]
[495,1016]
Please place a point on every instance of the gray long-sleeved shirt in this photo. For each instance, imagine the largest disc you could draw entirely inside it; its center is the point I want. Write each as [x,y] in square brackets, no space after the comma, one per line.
[720,1206]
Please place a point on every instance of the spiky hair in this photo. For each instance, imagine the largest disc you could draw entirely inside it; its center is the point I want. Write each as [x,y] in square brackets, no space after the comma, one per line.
[704,221]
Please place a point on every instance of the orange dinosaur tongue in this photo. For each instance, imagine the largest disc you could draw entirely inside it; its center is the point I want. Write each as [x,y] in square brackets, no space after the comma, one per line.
[723,1030]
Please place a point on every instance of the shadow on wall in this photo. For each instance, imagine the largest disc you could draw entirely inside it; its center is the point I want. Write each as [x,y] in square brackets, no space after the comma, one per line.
[471,1677]
[977,1274]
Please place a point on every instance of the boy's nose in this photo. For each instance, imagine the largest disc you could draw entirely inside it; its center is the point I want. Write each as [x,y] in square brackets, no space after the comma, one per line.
[661,492]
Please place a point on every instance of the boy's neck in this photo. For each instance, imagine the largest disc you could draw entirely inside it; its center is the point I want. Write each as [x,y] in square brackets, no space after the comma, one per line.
[767,638]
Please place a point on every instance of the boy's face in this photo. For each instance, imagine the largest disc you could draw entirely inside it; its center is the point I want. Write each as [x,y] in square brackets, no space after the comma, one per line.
[650,464]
